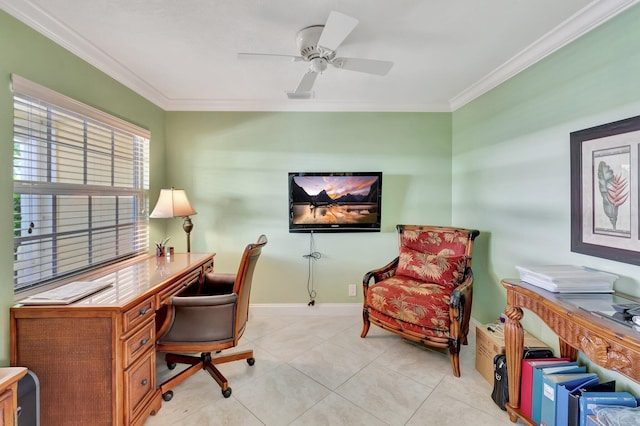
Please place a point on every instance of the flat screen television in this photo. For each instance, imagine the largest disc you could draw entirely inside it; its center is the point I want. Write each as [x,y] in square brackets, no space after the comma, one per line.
[335,202]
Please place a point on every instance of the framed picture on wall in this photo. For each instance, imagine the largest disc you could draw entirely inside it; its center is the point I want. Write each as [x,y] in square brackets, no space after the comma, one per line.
[605,208]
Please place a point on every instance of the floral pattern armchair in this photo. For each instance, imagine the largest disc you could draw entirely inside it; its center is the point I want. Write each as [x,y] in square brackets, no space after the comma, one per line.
[425,294]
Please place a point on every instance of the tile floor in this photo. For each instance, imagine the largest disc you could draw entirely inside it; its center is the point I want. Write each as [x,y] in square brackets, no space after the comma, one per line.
[316,370]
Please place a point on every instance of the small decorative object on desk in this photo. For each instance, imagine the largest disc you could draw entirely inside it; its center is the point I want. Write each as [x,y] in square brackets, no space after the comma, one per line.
[568,278]
[169,252]
[160,247]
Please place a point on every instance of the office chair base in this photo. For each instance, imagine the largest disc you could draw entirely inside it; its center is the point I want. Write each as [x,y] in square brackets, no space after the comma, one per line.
[206,362]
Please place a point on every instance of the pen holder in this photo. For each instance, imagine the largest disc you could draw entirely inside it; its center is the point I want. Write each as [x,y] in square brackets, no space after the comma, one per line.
[159,251]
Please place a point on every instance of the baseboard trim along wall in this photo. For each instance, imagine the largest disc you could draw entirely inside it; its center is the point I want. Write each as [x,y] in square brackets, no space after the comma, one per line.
[329,309]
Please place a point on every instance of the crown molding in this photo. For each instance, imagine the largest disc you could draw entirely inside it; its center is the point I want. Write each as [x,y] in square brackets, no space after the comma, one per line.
[40,21]
[51,28]
[587,19]
[298,105]
[590,17]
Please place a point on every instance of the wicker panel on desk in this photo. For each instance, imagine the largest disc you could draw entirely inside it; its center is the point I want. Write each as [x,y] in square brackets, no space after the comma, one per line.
[65,379]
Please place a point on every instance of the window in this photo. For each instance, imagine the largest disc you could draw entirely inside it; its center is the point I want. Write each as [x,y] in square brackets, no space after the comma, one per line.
[80,187]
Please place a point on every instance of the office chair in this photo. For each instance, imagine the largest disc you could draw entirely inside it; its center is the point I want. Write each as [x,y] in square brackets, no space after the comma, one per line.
[210,319]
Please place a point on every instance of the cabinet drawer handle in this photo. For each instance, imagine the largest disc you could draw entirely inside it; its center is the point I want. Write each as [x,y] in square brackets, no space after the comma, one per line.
[144,382]
[143,311]
[143,342]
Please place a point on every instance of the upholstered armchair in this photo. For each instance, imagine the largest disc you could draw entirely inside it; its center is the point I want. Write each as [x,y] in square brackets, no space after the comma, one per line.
[209,319]
[425,294]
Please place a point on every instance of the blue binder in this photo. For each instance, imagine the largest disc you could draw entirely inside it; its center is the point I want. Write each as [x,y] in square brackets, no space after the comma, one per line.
[562,397]
[536,392]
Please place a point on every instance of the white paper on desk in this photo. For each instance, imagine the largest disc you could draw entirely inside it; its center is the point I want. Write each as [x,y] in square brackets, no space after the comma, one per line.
[67,294]
[568,278]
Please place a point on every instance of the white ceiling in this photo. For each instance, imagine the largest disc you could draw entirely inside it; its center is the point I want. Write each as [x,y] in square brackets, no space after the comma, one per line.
[182,54]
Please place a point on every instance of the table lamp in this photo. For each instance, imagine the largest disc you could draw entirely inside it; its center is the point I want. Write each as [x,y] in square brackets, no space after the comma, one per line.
[174,203]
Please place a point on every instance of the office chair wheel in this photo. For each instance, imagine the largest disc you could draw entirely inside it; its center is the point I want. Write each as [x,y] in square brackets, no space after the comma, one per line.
[171,365]
[251,361]
[167,396]
[226,393]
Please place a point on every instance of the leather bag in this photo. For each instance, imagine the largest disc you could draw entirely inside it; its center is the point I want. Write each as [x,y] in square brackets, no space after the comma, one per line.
[500,394]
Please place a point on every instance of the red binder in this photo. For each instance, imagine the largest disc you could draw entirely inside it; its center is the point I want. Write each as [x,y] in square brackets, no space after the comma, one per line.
[526,381]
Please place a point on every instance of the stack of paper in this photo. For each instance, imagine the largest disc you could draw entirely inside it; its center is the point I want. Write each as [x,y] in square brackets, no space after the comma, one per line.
[568,278]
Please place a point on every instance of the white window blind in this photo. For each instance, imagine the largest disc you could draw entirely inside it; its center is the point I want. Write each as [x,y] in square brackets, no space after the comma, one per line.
[81,181]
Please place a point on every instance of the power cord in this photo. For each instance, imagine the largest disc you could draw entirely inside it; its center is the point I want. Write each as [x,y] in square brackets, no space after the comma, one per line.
[313,255]
[497,330]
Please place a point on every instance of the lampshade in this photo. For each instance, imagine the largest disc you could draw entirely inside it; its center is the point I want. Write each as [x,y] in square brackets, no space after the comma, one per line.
[172,203]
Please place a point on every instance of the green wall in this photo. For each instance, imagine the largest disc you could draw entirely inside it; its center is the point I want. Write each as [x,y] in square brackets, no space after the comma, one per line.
[234,167]
[27,53]
[510,165]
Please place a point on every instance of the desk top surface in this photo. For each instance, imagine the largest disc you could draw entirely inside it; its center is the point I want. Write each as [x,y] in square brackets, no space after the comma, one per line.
[10,375]
[594,309]
[134,279]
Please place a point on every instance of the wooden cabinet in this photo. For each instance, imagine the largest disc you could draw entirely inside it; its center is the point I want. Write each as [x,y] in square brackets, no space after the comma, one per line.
[9,394]
[95,358]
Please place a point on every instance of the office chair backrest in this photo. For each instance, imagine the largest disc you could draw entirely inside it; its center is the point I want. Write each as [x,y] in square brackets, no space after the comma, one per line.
[243,282]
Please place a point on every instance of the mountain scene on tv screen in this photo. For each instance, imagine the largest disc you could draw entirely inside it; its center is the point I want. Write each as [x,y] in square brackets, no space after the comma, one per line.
[334,199]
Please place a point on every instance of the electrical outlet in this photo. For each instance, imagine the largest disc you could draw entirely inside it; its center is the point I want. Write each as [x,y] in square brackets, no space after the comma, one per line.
[352,289]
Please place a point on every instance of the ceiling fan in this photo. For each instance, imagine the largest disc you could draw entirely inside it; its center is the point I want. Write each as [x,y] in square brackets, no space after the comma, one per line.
[318,46]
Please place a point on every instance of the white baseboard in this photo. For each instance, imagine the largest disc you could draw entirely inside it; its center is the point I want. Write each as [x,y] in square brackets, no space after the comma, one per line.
[329,309]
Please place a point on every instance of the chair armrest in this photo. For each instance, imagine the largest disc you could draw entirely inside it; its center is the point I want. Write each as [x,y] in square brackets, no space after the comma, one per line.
[464,289]
[387,271]
[460,308]
[198,318]
[222,299]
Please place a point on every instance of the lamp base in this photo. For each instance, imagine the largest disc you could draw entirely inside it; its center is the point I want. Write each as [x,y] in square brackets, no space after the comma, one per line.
[187,225]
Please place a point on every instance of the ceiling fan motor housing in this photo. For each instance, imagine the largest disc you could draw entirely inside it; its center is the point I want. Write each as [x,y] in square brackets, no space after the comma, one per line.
[307,41]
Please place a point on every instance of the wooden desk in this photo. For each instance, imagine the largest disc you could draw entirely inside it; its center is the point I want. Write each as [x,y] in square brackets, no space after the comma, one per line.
[95,359]
[605,342]
[9,377]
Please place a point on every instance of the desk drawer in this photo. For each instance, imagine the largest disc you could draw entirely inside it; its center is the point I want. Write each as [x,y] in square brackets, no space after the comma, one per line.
[137,344]
[138,314]
[208,267]
[178,287]
[7,408]
[139,383]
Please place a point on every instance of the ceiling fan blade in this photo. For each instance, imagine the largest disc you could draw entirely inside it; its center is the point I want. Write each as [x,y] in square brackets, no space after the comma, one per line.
[306,83]
[369,66]
[303,91]
[337,28]
[270,55]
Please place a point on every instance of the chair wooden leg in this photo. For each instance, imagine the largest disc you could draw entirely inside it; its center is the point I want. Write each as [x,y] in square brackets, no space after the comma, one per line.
[180,377]
[217,376]
[182,359]
[232,357]
[454,355]
[366,323]
[455,364]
